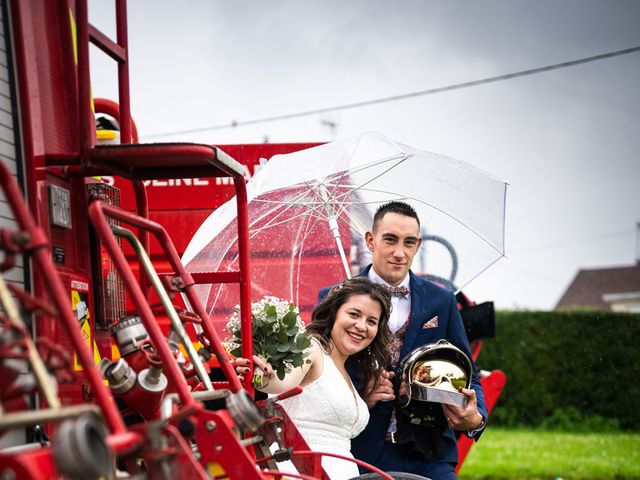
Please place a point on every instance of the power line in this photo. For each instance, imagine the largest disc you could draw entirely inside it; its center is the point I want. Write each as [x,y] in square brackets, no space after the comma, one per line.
[394,98]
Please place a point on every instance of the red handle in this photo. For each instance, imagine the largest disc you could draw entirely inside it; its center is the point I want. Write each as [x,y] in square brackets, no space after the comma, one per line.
[290,393]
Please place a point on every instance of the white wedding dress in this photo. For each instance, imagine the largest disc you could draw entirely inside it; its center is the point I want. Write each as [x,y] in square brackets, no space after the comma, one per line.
[328,414]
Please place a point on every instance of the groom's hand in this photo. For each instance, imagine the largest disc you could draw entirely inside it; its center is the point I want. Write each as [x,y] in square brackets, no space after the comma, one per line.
[384,390]
[467,418]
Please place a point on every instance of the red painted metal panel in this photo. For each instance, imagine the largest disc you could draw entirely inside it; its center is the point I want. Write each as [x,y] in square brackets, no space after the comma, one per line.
[45,61]
[31,464]
[492,386]
[204,193]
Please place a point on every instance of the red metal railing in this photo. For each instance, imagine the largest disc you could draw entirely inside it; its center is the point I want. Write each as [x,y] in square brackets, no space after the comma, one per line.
[98,213]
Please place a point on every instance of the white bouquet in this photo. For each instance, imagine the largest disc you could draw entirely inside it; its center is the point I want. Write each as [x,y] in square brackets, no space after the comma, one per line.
[278,335]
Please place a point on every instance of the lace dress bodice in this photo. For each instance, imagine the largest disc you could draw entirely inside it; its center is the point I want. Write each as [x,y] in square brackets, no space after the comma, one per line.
[329,412]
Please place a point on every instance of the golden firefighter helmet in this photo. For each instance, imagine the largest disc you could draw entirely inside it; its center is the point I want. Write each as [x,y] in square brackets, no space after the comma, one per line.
[436,373]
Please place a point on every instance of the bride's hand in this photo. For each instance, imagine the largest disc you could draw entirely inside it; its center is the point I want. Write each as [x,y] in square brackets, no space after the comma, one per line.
[243,364]
[384,390]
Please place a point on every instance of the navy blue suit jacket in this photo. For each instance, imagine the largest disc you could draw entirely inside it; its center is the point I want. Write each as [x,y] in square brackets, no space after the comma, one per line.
[427,301]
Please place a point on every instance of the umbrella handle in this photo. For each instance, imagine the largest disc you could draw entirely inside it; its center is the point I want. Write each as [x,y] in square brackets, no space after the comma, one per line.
[333,224]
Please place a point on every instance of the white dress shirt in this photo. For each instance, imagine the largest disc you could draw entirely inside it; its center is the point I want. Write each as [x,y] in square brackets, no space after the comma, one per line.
[400,306]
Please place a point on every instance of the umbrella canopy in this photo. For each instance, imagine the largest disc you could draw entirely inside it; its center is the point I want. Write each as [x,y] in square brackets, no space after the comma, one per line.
[308,206]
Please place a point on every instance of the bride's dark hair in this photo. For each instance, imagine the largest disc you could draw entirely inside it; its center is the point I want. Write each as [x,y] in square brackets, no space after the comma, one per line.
[366,365]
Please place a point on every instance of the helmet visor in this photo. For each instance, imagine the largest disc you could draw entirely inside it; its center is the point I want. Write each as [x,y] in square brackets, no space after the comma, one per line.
[439,374]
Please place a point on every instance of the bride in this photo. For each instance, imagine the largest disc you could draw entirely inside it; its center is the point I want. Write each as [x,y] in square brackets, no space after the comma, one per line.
[348,327]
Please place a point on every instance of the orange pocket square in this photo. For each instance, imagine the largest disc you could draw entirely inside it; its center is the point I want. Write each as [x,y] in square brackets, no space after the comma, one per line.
[433,323]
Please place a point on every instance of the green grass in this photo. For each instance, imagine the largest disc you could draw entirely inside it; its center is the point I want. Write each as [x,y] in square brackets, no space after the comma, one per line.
[533,454]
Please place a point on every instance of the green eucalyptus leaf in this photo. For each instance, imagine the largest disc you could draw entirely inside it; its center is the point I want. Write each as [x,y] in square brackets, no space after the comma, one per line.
[271,348]
[271,313]
[278,356]
[283,337]
[303,341]
[290,319]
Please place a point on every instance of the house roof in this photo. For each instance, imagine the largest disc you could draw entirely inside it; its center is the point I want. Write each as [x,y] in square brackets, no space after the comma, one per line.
[589,286]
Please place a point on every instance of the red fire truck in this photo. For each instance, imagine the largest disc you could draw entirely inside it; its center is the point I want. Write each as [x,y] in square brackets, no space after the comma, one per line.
[103,373]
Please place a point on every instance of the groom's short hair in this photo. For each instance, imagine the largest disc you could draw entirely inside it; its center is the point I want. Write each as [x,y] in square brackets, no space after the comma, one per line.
[401,208]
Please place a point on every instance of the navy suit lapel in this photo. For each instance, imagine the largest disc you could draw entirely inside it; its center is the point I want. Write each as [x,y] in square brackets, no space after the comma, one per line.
[365,271]
[418,305]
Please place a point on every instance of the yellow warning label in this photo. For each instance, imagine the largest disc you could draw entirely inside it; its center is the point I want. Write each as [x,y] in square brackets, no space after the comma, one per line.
[216,471]
[80,305]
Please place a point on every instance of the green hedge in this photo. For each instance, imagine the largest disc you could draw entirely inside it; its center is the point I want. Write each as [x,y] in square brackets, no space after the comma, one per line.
[567,366]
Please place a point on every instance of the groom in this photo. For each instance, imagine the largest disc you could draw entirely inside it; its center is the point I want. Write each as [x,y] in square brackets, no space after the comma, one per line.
[422,315]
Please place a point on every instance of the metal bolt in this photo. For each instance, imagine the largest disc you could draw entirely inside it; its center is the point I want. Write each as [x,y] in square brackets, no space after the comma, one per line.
[155,371]
[210,426]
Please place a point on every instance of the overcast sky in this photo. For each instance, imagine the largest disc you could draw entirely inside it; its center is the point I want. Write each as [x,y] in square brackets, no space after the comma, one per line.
[567,141]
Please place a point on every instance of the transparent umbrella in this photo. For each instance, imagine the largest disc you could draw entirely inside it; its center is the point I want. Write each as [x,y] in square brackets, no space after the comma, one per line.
[309,210]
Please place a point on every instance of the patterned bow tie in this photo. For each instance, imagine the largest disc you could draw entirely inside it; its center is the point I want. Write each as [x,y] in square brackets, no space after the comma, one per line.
[400,291]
